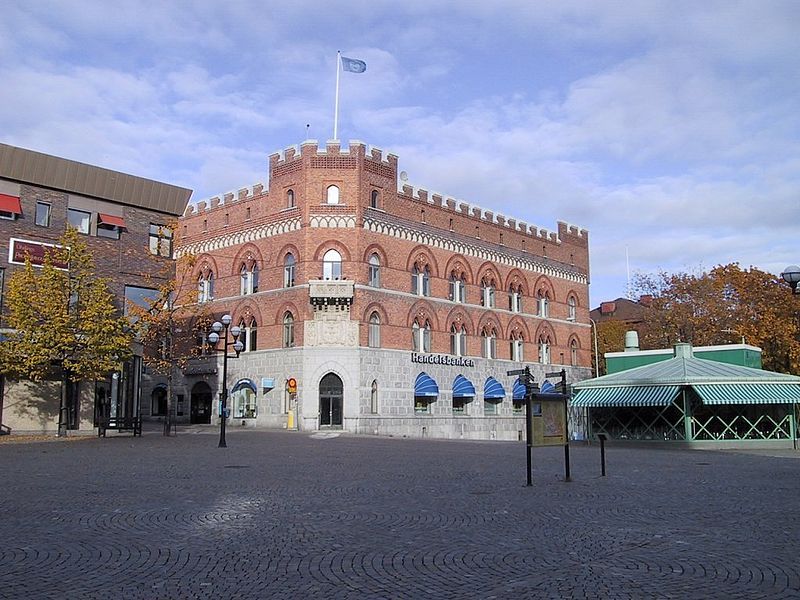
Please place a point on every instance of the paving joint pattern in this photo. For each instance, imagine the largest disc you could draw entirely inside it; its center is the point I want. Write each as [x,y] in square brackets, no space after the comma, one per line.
[290,515]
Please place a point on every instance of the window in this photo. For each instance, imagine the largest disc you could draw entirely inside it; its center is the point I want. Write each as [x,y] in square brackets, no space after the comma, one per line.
[422,405]
[247,214]
[290,199]
[373,199]
[373,398]
[288,270]
[458,340]
[375,271]
[138,299]
[487,293]
[572,307]
[288,330]
[491,407]
[374,336]
[205,288]
[515,299]
[459,406]
[249,335]
[421,280]
[421,337]
[79,219]
[249,280]
[489,343]
[544,350]
[332,265]
[160,240]
[516,347]
[458,288]
[243,398]
[332,195]
[544,304]
[43,214]
[107,230]
[573,353]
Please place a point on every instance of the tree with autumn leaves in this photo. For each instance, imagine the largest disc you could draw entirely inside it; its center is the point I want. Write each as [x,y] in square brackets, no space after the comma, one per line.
[725,305]
[63,320]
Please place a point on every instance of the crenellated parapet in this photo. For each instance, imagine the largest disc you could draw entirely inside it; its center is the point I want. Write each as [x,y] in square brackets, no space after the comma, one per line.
[243,194]
[482,215]
[332,155]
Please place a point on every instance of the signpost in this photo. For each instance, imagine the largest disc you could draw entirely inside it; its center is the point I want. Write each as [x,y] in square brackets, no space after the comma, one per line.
[548,425]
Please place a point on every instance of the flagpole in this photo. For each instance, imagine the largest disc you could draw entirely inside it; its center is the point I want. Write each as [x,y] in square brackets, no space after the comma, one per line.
[336,105]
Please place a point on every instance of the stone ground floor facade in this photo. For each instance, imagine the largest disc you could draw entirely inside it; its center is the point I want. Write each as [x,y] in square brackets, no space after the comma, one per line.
[358,390]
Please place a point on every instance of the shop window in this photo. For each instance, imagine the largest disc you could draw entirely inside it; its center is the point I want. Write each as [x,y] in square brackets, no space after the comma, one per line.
[243,398]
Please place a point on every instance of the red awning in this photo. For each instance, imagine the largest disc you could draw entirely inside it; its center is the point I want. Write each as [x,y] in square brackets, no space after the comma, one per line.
[111,220]
[10,204]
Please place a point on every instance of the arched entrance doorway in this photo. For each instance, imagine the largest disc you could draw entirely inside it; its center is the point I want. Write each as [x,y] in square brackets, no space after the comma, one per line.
[200,411]
[331,398]
[158,402]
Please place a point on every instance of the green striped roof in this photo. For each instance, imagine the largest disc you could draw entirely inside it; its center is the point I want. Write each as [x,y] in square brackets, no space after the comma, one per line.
[715,382]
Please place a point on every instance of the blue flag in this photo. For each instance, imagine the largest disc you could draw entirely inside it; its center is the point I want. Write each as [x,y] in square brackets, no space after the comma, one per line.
[353,65]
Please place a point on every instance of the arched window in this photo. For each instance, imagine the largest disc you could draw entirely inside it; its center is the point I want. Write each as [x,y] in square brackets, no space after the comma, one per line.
[288,270]
[288,330]
[374,198]
[421,336]
[243,398]
[515,298]
[516,346]
[458,287]
[374,336]
[421,280]
[544,349]
[572,306]
[573,353]
[332,265]
[489,342]
[332,195]
[249,335]
[373,398]
[544,303]
[375,270]
[205,288]
[249,280]
[487,292]
[458,340]
[290,199]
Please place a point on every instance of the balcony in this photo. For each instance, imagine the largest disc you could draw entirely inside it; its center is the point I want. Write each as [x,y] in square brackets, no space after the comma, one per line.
[331,292]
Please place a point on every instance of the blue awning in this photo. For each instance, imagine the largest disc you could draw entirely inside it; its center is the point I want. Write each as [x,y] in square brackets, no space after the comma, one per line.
[425,386]
[463,388]
[547,388]
[519,391]
[245,383]
[493,389]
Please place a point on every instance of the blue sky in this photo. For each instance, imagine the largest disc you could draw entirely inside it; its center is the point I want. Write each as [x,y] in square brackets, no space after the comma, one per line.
[670,130]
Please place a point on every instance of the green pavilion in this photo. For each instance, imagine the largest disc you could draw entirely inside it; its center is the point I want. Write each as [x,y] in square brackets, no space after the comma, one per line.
[699,401]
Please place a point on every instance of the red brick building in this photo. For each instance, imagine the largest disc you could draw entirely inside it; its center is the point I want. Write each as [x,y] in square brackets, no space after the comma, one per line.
[125,219]
[364,293]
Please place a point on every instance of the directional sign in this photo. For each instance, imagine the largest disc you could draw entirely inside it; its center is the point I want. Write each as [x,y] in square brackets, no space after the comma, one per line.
[516,372]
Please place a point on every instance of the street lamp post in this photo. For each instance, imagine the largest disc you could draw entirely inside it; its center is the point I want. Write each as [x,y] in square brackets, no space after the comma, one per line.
[213,339]
[791,275]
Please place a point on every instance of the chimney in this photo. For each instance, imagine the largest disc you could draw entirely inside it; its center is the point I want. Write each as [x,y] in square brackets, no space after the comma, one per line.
[631,341]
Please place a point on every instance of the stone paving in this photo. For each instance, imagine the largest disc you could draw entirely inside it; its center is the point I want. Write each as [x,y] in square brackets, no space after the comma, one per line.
[297,515]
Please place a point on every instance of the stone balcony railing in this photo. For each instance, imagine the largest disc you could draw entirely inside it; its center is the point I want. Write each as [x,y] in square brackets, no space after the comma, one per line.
[331,291]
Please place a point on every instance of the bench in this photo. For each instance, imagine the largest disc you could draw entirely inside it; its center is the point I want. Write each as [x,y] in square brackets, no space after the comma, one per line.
[120,424]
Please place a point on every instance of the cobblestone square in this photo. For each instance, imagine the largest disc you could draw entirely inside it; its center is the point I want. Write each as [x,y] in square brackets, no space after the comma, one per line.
[297,515]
